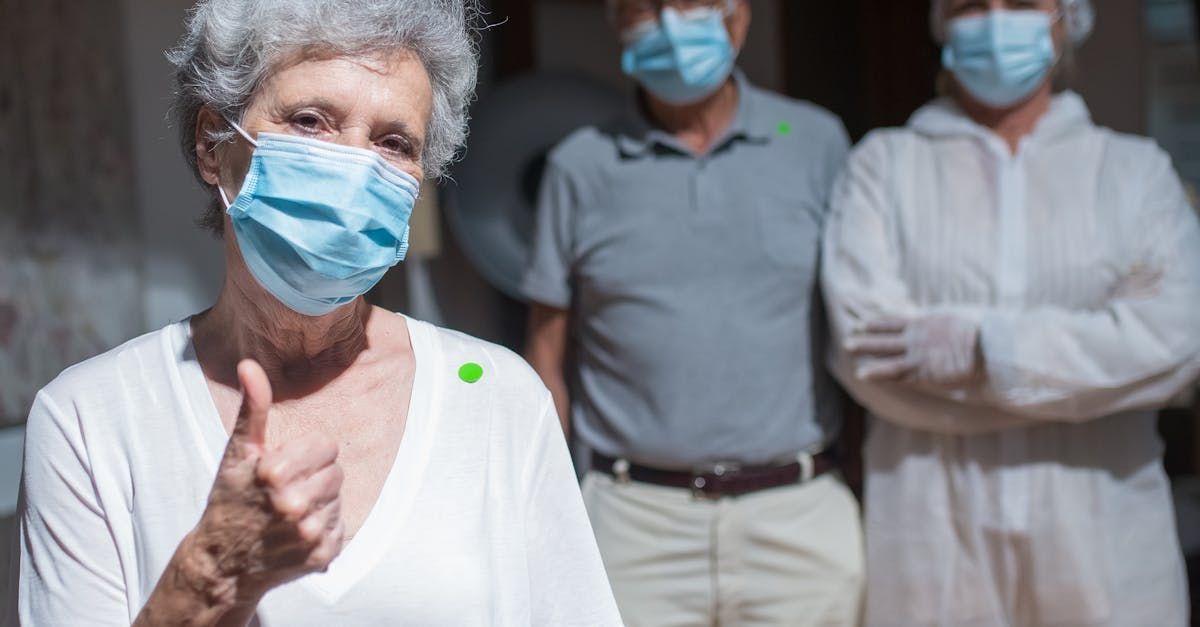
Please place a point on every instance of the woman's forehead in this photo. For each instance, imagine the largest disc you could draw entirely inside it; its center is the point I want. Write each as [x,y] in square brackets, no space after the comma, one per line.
[380,67]
[392,84]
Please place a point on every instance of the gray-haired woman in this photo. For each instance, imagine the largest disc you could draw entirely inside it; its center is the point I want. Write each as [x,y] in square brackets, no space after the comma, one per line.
[294,454]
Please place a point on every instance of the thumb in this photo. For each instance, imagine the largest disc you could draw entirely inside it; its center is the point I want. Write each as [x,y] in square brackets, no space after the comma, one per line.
[251,425]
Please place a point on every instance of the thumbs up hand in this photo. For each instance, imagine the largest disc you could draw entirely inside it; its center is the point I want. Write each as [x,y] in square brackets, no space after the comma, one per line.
[274,514]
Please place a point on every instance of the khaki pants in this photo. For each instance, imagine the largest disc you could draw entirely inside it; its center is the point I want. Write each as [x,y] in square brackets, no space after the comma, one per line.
[786,556]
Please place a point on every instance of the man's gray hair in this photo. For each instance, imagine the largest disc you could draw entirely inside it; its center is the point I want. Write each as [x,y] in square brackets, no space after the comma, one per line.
[231,46]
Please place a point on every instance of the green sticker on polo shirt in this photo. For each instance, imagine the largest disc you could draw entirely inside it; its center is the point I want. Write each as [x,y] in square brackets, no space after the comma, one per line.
[470,372]
[784,128]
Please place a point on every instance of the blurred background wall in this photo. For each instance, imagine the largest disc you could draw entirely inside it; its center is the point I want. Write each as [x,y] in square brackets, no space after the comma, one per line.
[870,61]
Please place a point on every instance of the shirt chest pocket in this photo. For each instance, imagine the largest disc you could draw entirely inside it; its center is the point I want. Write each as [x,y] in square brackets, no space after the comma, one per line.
[789,232]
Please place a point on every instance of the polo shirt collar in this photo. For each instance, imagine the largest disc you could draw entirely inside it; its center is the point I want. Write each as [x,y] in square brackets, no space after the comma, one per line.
[639,135]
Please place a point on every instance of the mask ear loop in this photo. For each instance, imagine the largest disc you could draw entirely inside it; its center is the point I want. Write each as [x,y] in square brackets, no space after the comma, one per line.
[224,197]
[241,131]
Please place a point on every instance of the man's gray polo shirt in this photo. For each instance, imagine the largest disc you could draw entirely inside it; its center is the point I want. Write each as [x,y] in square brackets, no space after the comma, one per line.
[691,281]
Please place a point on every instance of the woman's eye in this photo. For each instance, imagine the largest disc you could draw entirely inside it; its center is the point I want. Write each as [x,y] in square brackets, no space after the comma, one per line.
[307,121]
[397,145]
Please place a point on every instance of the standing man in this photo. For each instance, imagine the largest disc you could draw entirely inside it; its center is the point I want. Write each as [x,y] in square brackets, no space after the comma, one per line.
[676,258]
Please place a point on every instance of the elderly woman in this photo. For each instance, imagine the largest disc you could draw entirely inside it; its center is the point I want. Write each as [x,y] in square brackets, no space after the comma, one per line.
[293,454]
[1014,292]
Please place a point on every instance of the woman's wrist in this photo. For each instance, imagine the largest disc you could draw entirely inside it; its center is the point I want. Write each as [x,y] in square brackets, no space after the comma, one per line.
[193,590]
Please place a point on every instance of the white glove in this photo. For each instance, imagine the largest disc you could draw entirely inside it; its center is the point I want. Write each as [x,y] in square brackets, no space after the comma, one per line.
[1141,282]
[941,349]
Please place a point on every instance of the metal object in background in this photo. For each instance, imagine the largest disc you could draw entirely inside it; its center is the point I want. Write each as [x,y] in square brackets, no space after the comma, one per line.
[492,203]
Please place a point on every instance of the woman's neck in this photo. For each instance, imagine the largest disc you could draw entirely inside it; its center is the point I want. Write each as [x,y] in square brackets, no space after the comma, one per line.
[698,125]
[296,351]
[1011,124]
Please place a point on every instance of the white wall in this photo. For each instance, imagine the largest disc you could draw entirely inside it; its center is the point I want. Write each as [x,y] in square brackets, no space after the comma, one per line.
[183,265]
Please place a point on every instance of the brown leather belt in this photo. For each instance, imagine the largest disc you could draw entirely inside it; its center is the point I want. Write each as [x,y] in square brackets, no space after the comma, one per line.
[718,479]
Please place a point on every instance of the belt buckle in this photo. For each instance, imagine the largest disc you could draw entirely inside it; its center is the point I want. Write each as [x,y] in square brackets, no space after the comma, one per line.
[620,471]
[808,466]
[707,478]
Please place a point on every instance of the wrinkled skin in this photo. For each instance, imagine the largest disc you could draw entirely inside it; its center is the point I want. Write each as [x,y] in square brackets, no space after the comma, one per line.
[274,514]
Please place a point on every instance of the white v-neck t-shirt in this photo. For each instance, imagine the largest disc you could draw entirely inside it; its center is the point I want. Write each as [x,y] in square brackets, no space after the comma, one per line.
[479,521]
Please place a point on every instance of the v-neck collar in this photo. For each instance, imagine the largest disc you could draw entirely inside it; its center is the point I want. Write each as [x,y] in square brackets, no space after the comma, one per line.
[394,503]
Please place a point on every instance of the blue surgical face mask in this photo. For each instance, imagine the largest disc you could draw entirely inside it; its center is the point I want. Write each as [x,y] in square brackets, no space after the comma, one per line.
[1001,57]
[683,57]
[319,224]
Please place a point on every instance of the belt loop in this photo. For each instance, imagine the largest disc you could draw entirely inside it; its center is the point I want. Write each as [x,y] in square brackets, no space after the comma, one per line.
[620,470]
[807,467]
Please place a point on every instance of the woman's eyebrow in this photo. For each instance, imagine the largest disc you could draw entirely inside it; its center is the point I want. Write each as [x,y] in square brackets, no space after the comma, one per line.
[319,102]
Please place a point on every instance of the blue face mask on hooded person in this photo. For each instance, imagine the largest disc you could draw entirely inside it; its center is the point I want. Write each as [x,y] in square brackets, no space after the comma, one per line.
[1000,57]
[681,58]
[319,224]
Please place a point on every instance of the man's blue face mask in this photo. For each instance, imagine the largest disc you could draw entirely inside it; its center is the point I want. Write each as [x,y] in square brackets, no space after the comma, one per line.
[681,58]
[1000,57]
[319,224]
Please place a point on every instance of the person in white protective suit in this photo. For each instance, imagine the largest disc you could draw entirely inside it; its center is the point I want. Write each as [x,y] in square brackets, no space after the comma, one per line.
[1013,292]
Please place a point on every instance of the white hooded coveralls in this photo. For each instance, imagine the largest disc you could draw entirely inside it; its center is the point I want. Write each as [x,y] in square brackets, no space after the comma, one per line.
[1034,495]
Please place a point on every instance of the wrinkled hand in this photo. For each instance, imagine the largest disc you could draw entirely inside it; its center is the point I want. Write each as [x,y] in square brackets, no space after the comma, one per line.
[274,514]
[941,349]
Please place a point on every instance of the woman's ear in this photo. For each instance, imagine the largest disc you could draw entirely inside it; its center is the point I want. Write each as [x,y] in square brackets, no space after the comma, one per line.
[207,123]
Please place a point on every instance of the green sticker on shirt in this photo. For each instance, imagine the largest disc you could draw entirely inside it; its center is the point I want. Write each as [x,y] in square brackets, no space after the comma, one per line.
[470,372]
[784,128]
